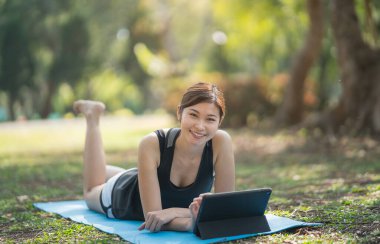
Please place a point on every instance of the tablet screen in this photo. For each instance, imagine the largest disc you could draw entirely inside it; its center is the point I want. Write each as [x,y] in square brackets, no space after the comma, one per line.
[230,205]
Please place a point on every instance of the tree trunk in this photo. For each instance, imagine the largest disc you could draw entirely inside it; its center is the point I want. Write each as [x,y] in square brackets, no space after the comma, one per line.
[291,110]
[11,103]
[358,109]
[47,105]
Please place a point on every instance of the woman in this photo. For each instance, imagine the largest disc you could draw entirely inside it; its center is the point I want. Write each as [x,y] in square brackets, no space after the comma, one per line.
[175,166]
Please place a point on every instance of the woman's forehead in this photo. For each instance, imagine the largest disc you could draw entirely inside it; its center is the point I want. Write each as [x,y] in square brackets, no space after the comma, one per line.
[208,108]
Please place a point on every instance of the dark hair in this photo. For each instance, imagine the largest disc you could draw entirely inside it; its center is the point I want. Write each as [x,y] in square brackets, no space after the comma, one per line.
[200,93]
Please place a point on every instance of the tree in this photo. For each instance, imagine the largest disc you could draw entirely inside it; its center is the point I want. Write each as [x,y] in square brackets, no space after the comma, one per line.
[358,109]
[291,110]
[16,62]
[70,52]
[47,42]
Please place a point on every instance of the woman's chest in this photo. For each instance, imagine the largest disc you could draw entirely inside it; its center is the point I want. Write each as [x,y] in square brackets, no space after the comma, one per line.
[184,171]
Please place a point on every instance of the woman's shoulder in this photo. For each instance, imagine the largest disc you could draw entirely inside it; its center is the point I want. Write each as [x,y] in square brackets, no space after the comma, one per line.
[222,147]
[222,135]
[149,141]
[221,139]
[152,139]
[149,151]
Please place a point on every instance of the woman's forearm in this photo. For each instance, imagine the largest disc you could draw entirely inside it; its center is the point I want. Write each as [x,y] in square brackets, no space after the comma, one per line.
[179,224]
[181,221]
[180,212]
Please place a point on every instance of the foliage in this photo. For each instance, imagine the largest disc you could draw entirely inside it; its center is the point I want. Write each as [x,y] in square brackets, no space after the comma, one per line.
[115,90]
[16,62]
[175,44]
[314,179]
[247,101]
[261,34]
[369,17]
[60,37]
[153,45]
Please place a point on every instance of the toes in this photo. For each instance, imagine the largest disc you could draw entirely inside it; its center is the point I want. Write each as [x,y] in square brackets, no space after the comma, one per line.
[76,106]
[88,107]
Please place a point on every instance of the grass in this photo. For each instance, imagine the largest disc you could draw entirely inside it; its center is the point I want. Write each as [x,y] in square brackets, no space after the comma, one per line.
[314,179]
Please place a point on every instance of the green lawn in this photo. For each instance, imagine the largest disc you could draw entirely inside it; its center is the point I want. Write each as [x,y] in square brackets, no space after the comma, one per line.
[333,181]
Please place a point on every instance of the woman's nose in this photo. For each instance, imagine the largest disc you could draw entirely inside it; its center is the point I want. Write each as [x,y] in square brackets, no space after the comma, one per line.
[199,124]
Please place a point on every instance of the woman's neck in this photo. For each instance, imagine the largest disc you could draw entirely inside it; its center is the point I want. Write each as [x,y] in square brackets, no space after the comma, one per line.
[186,149]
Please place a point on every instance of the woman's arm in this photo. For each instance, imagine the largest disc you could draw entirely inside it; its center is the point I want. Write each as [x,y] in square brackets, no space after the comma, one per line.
[156,218]
[177,219]
[224,163]
[179,224]
[148,160]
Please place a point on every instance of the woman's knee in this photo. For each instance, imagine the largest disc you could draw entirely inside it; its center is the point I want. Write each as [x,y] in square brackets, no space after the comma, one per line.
[92,198]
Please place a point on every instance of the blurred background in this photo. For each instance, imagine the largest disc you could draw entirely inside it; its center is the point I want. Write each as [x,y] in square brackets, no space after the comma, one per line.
[279,62]
[301,80]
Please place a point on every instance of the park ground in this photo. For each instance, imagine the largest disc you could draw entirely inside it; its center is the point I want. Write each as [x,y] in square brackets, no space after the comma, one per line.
[334,181]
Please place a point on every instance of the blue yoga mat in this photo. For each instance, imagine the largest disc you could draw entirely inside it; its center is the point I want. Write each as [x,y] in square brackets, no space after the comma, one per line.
[127,229]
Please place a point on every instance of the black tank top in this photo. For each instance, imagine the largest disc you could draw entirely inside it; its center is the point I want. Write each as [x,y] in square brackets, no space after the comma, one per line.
[126,203]
[171,195]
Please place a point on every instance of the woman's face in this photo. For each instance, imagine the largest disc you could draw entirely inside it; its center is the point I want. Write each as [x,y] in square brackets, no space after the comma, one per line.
[199,122]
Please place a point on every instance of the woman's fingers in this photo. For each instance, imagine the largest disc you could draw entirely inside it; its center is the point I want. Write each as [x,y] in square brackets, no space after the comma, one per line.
[142,226]
[148,221]
[200,198]
[153,226]
[153,223]
[194,208]
[204,194]
[195,205]
[197,199]
[158,226]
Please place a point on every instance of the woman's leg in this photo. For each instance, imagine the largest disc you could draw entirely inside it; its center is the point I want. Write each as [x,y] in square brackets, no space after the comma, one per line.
[113,170]
[94,169]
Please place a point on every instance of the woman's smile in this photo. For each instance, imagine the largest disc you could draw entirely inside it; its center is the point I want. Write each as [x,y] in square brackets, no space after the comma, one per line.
[197,135]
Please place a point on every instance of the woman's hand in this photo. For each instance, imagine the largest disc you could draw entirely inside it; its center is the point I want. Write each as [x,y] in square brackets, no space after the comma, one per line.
[155,220]
[194,209]
[161,219]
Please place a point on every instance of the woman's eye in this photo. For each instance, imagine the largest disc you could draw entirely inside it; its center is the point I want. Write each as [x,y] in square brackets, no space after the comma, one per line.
[193,115]
[211,120]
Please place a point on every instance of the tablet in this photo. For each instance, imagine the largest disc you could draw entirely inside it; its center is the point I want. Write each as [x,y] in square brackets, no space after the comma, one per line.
[232,213]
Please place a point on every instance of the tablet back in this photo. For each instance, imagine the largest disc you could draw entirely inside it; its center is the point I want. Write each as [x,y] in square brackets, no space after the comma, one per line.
[234,204]
[220,208]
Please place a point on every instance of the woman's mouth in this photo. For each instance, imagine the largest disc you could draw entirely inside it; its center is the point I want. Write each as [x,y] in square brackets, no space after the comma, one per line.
[197,135]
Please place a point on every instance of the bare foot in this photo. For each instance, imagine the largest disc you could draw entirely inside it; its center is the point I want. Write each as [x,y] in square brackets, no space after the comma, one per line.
[89,108]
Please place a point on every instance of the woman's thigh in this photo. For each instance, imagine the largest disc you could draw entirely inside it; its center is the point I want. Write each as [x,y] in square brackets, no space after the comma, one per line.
[92,199]
[113,170]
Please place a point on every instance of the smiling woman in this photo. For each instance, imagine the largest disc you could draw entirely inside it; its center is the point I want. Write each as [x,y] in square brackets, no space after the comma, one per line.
[203,93]
[199,122]
[175,166]
[201,112]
